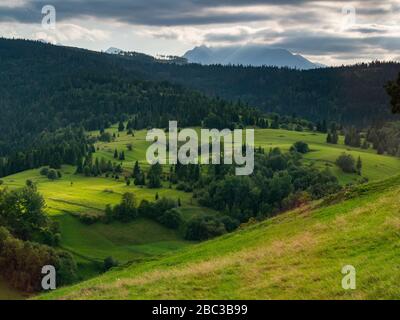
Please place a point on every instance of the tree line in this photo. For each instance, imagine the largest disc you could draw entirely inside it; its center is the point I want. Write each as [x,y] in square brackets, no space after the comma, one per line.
[28,241]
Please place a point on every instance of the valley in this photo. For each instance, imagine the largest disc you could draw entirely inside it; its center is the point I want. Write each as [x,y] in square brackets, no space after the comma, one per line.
[297,255]
[215,152]
[144,240]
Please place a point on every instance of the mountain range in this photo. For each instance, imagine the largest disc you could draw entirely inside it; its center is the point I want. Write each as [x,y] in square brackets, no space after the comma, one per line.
[248,55]
[253,55]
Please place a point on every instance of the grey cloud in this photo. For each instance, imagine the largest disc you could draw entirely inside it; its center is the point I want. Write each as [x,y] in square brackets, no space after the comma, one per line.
[370,30]
[316,44]
[150,12]
[387,42]
[242,35]
[168,35]
[197,12]
[373,11]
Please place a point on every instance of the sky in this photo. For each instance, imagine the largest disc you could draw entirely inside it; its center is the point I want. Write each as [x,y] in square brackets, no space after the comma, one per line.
[324,31]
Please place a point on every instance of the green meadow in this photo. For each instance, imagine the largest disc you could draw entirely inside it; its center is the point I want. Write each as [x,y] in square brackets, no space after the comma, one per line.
[297,255]
[142,241]
[91,244]
[322,154]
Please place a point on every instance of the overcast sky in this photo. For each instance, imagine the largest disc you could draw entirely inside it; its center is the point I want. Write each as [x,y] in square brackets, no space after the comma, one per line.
[329,32]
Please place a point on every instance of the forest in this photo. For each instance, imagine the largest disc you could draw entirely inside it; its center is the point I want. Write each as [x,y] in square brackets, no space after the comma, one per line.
[72,87]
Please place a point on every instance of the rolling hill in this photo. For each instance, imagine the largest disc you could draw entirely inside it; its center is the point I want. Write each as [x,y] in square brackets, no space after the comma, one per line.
[65,82]
[297,255]
[145,240]
[65,109]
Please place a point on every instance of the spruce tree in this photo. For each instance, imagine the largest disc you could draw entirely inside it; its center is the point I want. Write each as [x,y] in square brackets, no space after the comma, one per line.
[359,165]
[335,137]
[121,126]
[136,170]
[79,168]
[329,138]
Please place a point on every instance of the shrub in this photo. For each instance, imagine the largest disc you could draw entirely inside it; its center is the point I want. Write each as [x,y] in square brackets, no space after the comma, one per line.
[295,200]
[52,174]
[171,219]
[44,171]
[105,137]
[109,263]
[230,223]
[346,162]
[300,147]
[88,218]
[203,228]
[126,210]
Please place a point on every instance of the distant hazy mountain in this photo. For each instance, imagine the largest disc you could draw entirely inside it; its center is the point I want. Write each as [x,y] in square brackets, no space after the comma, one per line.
[255,55]
[145,57]
[113,50]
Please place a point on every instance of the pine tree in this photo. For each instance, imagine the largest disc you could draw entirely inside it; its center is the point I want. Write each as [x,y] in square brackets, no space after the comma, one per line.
[347,139]
[275,124]
[115,154]
[359,165]
[109,166]
[136,170]
[329,138]
[335,137]
[324,127]
[121,126]
[79,168]
[97,165]
[154,176]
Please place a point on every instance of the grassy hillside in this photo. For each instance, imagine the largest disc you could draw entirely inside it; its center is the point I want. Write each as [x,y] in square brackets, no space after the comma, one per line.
[145,239]
[322,154]
[75,194]
[297,255]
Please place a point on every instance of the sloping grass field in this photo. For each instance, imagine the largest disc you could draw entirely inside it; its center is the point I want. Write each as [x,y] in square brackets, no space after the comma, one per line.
[322,154]
[297,255]
[142,239]
[91,244]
